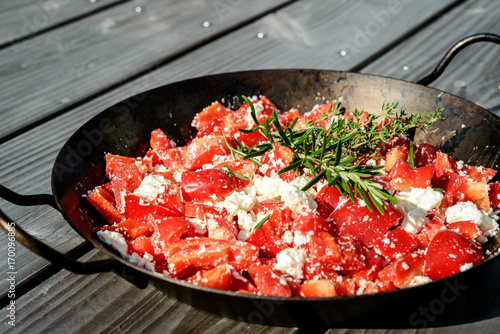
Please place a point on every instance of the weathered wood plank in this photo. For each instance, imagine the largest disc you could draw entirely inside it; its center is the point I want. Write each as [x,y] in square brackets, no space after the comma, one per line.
[19,160]
[474,74]
[21,19]
[106,303]
[97,52]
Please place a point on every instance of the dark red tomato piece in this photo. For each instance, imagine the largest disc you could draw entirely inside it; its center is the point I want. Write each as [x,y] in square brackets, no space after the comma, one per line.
[250,139]
[173,159]
[169,197]
[369,272]
[281,216]
[315,271]
[219,277]
[202,211]
[401,271]
[355,219]
[308,221]
[320,288]
[475,192]
[137,208]
[159,141]
[377,286]
[243,167]
[450,253]
[324,251]
[494,195]
[448,181]
[444,163]
[428,232]
[142,245]
[125,181]
[269,244]
[201,151]
[328,198]
[352,254]
[206,184]
[424,155]
[115,163]
[345,286]
[152,158]
[211,119]
[169,229]
[99,198]
[220,228]
[131,228]
[478,174]
[241,283]
[466,228]
[268,282]
[405,177]
[395,243]
[277,159]
[395,154]
[288,117]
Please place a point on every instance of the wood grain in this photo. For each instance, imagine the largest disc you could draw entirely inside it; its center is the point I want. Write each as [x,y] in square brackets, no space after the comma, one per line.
[97,52]
[106,303]
[474,74]
[22,19]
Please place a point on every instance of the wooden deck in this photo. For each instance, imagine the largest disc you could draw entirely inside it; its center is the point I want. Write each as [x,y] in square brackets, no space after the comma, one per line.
[62,62]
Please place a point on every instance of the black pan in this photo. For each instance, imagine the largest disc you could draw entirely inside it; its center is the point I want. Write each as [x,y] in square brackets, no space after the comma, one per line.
[469,133]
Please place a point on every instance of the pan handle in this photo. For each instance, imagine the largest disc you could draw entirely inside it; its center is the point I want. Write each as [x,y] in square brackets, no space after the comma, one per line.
[39,247]
[484,37]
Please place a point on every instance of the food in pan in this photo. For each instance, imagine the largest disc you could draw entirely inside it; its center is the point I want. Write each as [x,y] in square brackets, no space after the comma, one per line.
[329,203]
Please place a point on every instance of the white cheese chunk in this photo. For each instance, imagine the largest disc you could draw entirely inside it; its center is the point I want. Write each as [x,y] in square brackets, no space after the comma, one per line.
[295,199]
[150,186]
[145,261]
[469,211]
[291,261]
[414,221]
[418,198]
[115,240]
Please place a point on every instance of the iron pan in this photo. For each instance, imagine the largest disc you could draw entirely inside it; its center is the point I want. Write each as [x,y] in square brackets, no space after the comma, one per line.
[469,133]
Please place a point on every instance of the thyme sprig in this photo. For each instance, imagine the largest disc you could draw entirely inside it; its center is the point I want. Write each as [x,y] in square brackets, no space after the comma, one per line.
[337,151]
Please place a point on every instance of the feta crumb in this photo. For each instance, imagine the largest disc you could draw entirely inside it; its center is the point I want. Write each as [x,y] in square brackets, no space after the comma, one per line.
[414,221]
[465,267]
[418,198]
[291,261]
[115,240]
[469,211]
[150,186]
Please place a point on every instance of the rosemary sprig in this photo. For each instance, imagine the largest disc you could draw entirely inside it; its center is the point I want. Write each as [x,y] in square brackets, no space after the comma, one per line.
[230,172]
[332,152]
[259,224]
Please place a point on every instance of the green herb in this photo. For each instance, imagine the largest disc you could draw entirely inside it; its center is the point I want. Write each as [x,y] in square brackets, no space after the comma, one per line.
[233,173]
[439,190]
[259,224]
[411,161]
[332,153]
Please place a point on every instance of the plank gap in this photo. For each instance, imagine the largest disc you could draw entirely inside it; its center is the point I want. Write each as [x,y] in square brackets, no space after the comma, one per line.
[41,31]
[406,36]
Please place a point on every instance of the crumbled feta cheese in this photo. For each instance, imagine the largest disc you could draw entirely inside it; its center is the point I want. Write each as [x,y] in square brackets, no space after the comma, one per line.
[160,168]
[287,237]
[115,240]
[419,280]
[299,239]
[466,266]
[295,199]
[238,202]
[291,261]
[414,221]
[469,211]
[150,186]
[145,261]
[418,198]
